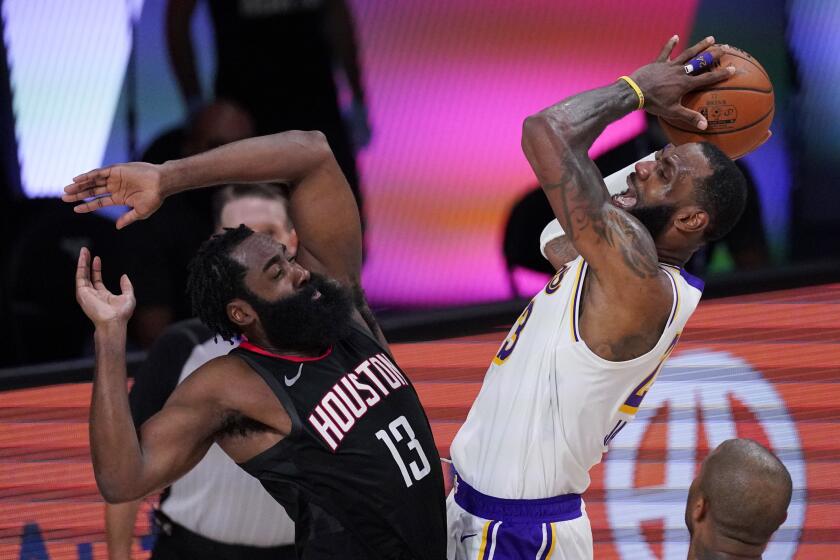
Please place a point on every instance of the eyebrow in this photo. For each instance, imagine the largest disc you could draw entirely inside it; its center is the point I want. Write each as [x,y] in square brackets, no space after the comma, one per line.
[276,258]
[273,260]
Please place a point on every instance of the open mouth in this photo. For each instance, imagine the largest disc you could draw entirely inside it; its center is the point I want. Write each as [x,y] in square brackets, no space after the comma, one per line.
[629,197]
[316,296]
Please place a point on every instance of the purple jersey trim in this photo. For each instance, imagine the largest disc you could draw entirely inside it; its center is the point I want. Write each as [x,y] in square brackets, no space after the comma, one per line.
[544,510]
[692,280]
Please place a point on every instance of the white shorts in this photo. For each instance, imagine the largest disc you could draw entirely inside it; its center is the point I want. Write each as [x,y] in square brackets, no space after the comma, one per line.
[514,537]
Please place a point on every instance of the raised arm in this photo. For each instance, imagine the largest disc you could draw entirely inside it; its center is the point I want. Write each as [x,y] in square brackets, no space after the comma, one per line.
[322,206]
[556,142]
[173,441]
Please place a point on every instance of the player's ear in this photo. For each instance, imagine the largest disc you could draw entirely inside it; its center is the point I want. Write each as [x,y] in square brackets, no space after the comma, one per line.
[691,219]
[240,312]
[699,509]
[292,245]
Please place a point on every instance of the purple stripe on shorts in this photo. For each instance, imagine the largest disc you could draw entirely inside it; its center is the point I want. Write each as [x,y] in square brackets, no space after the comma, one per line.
[548,541]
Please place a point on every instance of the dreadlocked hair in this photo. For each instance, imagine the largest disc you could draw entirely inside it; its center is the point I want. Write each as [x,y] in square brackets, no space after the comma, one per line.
[215,279]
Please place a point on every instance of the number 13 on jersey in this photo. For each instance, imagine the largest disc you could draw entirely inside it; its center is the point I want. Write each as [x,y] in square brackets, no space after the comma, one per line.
[418,471]
[510,342]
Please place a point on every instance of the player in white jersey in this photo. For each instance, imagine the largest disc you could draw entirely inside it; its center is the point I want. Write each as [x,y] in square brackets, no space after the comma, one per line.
[579,360]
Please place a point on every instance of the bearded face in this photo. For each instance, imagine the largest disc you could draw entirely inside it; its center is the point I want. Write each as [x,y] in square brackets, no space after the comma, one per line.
[311,320]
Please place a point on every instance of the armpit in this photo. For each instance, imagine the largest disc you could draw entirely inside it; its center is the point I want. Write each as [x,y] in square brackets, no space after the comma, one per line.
[559,251]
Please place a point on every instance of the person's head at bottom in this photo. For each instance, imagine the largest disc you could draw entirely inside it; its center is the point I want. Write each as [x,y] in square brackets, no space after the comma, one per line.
[247,282]
[736,503]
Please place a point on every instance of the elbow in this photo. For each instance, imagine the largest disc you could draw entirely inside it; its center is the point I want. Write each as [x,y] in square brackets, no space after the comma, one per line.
[313,141]
[115,496]
[542,125]
[545,133]
[533,126]
[115,493]
[555,120]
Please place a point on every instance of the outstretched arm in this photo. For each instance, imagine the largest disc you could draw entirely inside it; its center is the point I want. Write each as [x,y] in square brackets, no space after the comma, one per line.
[556,142]
[173,441]
[322,206]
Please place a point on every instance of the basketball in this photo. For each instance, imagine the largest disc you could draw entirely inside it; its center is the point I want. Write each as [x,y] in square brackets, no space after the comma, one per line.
[739,110]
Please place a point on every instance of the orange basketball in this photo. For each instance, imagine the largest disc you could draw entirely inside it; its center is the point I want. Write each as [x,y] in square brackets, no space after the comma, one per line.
[739,110]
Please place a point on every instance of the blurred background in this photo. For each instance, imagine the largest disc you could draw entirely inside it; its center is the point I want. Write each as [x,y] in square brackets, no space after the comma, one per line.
[426,120]
[422,102]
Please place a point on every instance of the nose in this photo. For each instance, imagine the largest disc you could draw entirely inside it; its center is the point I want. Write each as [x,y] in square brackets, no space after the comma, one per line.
[301,275]
[643,169]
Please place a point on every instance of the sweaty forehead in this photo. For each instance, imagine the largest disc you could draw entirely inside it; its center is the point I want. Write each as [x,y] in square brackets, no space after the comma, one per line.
[692,160]
[256,250]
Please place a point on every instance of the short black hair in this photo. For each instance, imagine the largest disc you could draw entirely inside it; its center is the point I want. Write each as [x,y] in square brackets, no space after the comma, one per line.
[723,194]
[748,490]
[234,191]
[215,279]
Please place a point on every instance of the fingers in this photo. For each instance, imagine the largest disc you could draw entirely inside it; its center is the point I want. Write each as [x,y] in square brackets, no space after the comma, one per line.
[694,50]
[97,174]
[82,272]
[94,204]
[128,218]
[125,286]
[89,184]
[668,48]
[96,274]
[83,194]
[689,118]
[713,77]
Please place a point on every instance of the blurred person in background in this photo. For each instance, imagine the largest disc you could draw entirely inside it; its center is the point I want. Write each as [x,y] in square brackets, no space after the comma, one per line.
[277,60]
[736,503]
[164,244]
[216,511]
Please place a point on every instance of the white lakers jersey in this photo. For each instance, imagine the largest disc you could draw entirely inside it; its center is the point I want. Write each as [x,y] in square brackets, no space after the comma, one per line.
[549,406]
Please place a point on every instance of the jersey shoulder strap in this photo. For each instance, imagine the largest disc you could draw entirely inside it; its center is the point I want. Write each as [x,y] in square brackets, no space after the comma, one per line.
[261,367]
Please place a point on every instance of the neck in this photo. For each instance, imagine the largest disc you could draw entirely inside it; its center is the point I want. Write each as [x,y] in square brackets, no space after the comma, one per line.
[692,553]
[265,344]
[675,257]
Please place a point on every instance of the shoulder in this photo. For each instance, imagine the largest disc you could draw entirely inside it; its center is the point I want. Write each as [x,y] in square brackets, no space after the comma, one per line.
[222,383]
[222,371]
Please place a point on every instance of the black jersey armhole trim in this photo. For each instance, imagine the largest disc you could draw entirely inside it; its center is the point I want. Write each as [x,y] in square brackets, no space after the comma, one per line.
[359,329]
[276,388]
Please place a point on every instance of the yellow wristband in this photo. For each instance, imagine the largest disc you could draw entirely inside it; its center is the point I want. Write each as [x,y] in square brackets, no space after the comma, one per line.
[637,89]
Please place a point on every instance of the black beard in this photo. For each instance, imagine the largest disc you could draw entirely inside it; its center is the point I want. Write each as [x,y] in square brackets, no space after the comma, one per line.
[654,218]
[301,324]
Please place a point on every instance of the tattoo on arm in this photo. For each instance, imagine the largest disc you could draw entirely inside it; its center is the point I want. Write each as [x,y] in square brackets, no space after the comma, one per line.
[560,251]
[586,208]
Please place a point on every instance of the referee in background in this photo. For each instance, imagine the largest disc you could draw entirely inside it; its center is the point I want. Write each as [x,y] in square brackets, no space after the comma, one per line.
[216,511]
